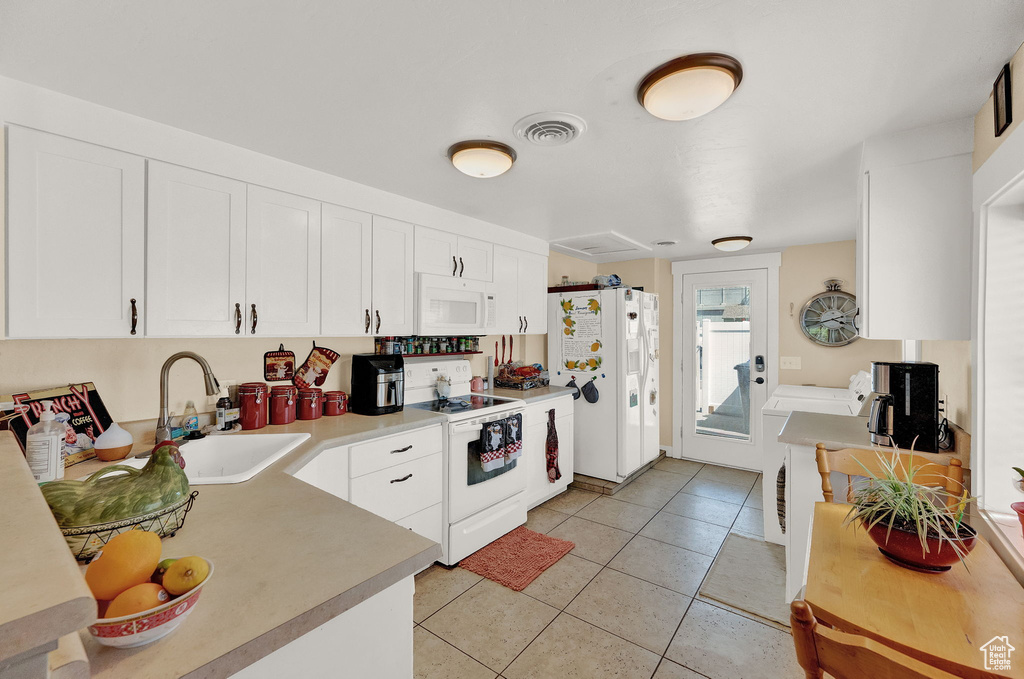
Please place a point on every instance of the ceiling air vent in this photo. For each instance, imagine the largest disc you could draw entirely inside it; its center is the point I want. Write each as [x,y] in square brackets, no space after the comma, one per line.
[550,129]
[608,246]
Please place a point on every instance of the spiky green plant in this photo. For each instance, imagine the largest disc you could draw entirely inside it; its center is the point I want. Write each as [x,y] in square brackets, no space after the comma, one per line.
[886,498]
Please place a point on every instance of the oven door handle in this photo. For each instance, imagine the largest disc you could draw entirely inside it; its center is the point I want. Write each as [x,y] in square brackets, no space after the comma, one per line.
[466,426]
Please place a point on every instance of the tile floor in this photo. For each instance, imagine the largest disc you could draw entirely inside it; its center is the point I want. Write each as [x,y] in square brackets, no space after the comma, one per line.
[623,603]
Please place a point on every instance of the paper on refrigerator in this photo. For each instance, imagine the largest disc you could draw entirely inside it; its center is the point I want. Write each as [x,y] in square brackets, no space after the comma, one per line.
[581,333]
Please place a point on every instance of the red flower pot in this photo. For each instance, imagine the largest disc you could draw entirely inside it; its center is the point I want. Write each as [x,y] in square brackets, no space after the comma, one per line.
[1019,508]
[904,548]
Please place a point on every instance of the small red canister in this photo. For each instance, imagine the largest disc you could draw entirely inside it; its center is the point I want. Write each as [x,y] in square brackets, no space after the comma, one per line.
[282,404]
[335,403]
[252,403]
[311,404]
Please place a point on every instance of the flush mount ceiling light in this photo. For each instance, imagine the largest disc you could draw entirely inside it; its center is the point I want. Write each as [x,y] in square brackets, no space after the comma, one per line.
[732,243]
[481,158]
[690,86]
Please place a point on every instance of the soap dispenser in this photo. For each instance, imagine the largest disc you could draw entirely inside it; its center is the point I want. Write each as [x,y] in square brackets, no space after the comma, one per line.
[44,447]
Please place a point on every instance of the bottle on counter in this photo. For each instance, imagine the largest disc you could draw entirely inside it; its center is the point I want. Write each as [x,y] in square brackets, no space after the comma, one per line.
[223,406]
[190,419]
[44,447]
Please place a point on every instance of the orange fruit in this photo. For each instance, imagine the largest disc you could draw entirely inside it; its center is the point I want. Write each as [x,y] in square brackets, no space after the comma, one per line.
[137,599]
[128,559]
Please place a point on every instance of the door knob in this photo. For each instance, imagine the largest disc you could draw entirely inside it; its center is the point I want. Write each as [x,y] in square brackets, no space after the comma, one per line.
[759,380]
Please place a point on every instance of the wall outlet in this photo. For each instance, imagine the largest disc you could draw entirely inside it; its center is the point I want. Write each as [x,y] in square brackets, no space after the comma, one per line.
[224,384]
[944,408]
[789,362]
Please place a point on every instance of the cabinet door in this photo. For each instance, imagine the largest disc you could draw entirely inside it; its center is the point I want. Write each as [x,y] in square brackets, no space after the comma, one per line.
[437,252]
[533,293]
[475,259]
[75,238]
[201,217]
[506,290]
[392,276]
[347,251]
[282,272]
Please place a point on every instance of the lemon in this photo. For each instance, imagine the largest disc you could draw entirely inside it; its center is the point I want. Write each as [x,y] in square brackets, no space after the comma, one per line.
[184,574]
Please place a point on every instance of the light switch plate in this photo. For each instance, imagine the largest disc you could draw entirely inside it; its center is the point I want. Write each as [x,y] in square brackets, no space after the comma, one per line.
[789,362]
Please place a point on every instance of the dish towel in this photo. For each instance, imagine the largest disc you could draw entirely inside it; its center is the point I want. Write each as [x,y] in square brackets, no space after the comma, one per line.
[513,437]
[492,446]
[551,449]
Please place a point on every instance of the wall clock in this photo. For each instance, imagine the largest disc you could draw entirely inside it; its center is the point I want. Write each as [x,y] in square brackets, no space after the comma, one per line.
[830,318]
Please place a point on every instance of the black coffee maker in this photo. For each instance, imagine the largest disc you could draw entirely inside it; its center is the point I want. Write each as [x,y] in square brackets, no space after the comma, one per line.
[906,406]
[378,384]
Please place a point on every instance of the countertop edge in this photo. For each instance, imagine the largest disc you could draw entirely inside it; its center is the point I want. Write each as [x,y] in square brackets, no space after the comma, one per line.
[47,625]
[540,393]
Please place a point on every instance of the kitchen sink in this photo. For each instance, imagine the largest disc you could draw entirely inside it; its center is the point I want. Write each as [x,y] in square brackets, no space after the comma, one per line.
[221,459]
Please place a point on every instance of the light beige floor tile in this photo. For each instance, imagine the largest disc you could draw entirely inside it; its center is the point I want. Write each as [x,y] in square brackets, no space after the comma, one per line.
[718,643]
[669,670]
[436,586]
[573,649]
[542,520]
[645,494]
[725,492]
[663,564]
[617,514]
[561,582]
[697,536]
[594,541]
[633,609]
[686,467]
[656,477]
[737,477]
[751,521]
[491,623]
[436,659]
[703,509]
[754,498]
[571,501]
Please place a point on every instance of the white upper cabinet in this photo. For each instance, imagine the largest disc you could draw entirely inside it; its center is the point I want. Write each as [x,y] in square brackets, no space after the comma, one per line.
[520,288]
[506,290]
[346,263]
[75,238]
[282,272]
[446,254]
[197,218]
[392,277]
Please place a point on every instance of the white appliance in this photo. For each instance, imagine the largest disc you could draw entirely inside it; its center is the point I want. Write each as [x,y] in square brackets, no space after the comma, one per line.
[786,399]
[478,507]
[613,337]
[454,306]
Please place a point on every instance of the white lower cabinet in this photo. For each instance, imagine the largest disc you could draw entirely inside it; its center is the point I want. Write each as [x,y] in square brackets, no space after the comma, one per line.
[538,487]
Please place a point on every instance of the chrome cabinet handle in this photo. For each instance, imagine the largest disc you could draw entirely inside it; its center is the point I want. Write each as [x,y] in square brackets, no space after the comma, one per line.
[526,323]
[402,450]
[367,328]
[135,316]
[238,318]
[455,265]
[462,267]
[404,478]
[520,325]
[377,329]
[255,319]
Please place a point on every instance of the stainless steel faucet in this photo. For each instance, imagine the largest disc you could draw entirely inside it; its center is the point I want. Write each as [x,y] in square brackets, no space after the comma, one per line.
[163,425]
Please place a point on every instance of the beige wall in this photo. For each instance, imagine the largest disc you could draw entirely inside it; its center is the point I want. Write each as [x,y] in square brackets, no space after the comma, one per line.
[563,265]
[954,361]
[804,268]
[985,139]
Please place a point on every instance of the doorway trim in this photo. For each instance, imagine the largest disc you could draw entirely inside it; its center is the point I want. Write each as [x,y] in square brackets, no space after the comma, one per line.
[771,261]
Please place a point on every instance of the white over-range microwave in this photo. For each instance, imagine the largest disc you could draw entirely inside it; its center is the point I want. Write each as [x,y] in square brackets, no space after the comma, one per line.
[447,305]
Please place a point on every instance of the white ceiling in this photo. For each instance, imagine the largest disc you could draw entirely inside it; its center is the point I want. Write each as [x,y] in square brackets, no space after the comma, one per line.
[376,92]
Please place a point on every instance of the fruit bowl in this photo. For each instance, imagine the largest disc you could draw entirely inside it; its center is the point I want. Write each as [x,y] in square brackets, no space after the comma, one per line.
[137,629]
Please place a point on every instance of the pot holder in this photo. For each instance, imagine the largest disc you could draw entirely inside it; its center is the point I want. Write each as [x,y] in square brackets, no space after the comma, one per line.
[278,365]
[590,392]
[575,388]
[315,368]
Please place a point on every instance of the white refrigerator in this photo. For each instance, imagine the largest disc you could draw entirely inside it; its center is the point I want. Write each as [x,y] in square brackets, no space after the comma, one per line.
[608,338]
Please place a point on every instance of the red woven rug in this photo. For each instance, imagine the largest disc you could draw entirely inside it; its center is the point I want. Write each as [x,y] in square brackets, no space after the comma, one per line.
[517,558]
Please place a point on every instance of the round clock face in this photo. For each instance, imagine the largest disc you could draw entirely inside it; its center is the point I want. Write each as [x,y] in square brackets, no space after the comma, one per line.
[830,318]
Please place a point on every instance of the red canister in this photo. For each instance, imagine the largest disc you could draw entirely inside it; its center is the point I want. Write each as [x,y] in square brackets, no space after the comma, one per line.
[335,403]
[282,404]
[311,404]
[252,403]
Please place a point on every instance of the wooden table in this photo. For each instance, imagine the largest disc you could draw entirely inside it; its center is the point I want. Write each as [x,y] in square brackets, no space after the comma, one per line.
[941,619]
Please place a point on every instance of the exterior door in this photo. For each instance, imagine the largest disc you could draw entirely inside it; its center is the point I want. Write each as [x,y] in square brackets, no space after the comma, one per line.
[346,262]
[725,379]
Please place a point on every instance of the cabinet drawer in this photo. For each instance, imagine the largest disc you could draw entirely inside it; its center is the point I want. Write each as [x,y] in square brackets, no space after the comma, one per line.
[392,450]
[426,522]
[537,413]
[397,492]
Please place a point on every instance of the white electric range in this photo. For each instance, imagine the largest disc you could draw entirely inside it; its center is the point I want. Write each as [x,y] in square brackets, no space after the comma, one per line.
[478,507]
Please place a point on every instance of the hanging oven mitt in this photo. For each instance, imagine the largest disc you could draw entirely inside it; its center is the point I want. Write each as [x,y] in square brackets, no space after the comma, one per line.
[513,437]
[551,449]
[314,370]
[590,392]
[575,388]
[492,446]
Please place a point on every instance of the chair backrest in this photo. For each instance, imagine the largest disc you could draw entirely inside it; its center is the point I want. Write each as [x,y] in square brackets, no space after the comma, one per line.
[850,656]
[854,461]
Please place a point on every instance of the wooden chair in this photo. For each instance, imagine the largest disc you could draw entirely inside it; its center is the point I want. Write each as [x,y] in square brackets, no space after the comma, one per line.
[820,649]
[849,461]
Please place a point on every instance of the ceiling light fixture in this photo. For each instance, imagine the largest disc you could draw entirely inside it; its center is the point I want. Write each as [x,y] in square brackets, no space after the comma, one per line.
[690,86]
[481,158]
[732,243]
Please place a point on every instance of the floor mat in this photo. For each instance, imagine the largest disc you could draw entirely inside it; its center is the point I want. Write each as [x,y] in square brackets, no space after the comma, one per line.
[750,575]
[517,558]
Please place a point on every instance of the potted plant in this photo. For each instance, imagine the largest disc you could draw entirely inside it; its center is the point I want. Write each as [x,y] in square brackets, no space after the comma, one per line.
[913,525]
[1018,483]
